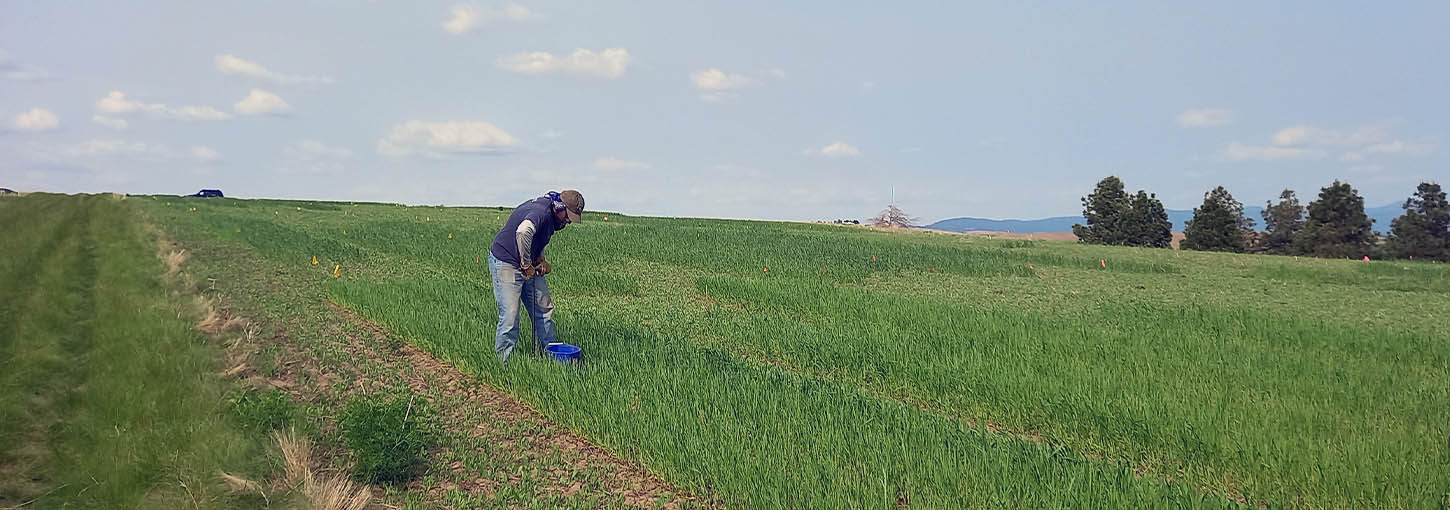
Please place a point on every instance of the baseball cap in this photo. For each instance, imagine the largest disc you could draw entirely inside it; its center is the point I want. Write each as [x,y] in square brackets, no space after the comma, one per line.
[573,203]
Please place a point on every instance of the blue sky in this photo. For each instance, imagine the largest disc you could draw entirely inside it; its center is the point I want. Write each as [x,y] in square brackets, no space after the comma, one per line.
[742,109]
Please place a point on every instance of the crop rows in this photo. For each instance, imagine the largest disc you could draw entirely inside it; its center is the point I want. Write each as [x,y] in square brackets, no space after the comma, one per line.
[815,366]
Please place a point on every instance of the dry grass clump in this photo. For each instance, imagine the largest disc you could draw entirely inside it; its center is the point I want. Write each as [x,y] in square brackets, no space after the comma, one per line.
[211,321]
[322,491]
[238,484]
[173,260]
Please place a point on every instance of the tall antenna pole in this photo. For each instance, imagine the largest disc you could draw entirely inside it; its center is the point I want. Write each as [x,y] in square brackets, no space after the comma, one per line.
[893,195]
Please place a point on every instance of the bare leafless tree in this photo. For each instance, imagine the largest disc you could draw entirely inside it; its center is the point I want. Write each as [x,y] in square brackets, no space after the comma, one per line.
[893,217]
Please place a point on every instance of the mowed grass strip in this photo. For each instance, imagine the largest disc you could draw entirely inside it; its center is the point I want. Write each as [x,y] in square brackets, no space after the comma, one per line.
[107,397]
[1297,381]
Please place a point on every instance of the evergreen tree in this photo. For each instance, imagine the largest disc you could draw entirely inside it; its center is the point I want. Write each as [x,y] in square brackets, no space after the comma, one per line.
[1145,223]
[1337,226]
[1282,222]
[1102,209]
[1423,232]
[1218,225]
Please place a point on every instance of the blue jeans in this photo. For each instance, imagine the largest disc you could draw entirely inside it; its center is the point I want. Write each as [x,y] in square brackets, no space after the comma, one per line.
[509,289]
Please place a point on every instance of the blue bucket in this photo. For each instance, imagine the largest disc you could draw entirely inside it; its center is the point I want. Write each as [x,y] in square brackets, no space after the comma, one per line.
[565,353]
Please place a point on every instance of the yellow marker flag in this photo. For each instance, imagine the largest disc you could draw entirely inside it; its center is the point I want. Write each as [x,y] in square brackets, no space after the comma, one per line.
[427,219]
[299,208]
[337,271]
[314,260]
[450,236]
[239,230]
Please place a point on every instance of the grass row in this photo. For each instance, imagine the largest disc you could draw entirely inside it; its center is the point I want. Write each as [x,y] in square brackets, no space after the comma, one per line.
[108,397]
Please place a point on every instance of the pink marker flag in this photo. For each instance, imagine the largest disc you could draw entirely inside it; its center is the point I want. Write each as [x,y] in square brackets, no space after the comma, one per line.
[1366,258]
[1103,262]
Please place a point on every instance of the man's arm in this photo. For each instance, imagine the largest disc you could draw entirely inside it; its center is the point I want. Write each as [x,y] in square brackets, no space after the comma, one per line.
[524,237]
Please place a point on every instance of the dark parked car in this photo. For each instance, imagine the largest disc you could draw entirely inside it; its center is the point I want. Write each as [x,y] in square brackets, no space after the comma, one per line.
[207,193]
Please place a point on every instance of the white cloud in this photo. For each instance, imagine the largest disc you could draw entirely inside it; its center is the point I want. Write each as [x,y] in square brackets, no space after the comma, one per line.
[612,163]
[259,102]
[1205,117]
[715,79]
[468,17]
[116,103]
[37,119]
[1358,145]
[200,113]
[1241,152]
[840,149]
[718,84]
[110,122]
[230,64]
[610,63]
[205,154]
[1310,135]
[465,17]
[437,139]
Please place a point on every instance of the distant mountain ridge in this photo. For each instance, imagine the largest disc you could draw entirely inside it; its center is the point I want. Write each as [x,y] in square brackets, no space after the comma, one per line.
[1381,215]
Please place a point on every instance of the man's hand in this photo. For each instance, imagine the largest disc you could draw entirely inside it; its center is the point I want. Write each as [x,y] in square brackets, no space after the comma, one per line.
[544,267]
[528,271]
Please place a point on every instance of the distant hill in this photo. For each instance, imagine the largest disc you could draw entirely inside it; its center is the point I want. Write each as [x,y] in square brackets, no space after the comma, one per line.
[1381,215]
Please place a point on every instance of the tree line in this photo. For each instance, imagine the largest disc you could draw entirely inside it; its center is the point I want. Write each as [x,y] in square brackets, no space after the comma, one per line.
[1333,225]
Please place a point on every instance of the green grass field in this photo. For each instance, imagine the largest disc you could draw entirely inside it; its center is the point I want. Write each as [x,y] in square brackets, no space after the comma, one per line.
[813,366]
[754,364]
[108,397]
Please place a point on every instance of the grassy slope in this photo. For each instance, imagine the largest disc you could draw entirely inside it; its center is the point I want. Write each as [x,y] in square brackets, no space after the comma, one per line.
[107,396]
[1289,380]
[288,303]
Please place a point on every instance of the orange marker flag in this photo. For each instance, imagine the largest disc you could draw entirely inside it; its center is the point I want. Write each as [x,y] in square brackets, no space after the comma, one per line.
[1029,265]
[873,258]
[477,260]
[767,269]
